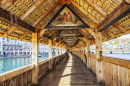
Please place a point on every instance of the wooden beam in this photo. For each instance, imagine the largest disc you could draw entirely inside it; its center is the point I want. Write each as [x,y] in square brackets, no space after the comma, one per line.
[85,12]
[99,71]
[6,34]
[43,16]
[95,7]
[35,59]
[122,10]
[33,8]
[6,3]
[120,27]
[15,21]
[91,32]
[42,32]
[40,26]
[110,34]
[89,24]
[50,54]
[88,54]
[116,2]
[25,33]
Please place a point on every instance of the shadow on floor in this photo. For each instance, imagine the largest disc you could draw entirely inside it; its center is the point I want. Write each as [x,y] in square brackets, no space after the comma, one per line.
[70,72]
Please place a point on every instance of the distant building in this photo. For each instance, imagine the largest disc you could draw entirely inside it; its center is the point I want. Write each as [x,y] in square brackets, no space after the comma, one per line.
[16,47]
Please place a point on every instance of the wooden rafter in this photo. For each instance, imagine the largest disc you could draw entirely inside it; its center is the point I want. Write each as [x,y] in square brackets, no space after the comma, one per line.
[110,33]
[6,34]
[89,24]
[95,7]
[25,33]
[34,7]
[118,13]
[120,27]
[8,18]
[91,32]
[43,16]
[85,12]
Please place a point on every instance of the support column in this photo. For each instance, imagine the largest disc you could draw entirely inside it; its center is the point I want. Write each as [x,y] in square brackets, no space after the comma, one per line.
[56,51]
[50,54]
[35,59]
[88,53]
[84,59]
[99,73]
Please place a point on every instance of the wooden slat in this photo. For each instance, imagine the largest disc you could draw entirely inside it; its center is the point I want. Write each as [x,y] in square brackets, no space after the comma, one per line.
[95,7]
[120,27]
[34,7]
[6,34]
[85,12]
[15,21]
[119,12]
[23,35]
[43,16]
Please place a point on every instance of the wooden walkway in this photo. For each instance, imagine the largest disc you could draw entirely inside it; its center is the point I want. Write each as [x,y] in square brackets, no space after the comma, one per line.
[70,72]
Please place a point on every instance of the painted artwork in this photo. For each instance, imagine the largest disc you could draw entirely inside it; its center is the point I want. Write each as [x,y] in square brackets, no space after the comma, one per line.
[66,18]
[69,33]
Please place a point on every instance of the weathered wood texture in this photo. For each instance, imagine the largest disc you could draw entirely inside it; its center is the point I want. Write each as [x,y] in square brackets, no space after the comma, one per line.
[18,77]
[116,72]
[23,76]
[15,21]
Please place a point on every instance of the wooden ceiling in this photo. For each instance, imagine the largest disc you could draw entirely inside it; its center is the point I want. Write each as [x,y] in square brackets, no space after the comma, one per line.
[110,17]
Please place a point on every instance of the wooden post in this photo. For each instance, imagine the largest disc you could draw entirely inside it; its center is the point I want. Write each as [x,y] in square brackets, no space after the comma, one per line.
[50,54]
[99,72]
[88,53]
[35,59]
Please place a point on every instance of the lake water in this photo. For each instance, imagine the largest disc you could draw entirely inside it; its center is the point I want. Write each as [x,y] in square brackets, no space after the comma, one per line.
[13,63]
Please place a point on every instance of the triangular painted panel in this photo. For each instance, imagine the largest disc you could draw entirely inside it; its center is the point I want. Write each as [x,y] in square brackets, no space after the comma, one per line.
[66,18]
[69,33]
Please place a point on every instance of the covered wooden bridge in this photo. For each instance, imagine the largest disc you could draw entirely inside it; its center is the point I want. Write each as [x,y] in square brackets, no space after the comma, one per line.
[68,25]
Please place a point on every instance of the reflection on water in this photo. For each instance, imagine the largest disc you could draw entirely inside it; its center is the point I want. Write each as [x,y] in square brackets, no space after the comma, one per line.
[13,63]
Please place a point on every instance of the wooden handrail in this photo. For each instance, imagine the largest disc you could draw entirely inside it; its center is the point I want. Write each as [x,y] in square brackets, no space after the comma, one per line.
[15,72]
[120,62]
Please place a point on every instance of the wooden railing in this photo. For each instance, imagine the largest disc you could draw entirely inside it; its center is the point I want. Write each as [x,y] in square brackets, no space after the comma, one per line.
[23,76]
[116,72]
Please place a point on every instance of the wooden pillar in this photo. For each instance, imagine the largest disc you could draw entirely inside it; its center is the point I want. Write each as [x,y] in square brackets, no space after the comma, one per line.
[99,72]
[88,53]
[84,59]
[50,54]
[35,59]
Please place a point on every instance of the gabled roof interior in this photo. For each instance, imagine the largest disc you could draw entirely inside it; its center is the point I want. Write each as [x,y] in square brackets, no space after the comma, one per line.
[38,13]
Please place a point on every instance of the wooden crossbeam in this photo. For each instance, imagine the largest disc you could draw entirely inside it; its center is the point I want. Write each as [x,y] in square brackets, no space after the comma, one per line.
[34,7]
[110,33]
[116,2]
[6,34]
[6,3]
[15,21]
[95,7]
[91,32]
[85,12]
[119,27]
[42,32]
[122,10]
[25,33]
[43,16]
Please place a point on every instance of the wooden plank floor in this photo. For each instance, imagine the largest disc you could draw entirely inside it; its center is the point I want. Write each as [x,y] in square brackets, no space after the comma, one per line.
[70,72]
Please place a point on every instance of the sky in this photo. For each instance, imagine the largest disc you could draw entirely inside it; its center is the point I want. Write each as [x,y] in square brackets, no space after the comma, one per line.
[125,36]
